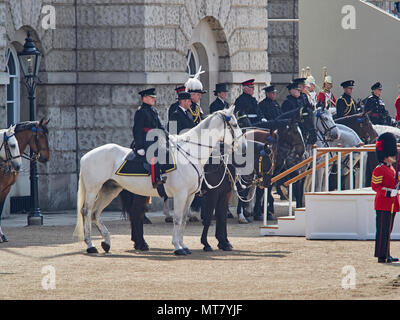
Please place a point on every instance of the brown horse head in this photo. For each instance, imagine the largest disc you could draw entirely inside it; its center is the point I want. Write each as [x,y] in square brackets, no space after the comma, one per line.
[34,134]
[41,142]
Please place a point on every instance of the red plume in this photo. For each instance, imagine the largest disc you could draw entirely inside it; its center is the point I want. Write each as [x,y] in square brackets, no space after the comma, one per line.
[379,145]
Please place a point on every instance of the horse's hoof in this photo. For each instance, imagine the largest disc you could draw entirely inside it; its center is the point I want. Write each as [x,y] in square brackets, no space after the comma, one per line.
[187,251]
[169,220]
[180,252]
[225,246]
[207,249]
[142,247]
[92,250]
[106,247]
[193,219]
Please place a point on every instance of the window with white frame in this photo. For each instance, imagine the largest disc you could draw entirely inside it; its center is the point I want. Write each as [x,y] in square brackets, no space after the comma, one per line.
[13,88]
[191,62]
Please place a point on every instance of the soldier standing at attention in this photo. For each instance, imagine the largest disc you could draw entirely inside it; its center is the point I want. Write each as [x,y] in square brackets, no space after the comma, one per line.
[146,119]
[375,104]
[173,106]
[269,106]
[346,105]
[219,104]
[384,183]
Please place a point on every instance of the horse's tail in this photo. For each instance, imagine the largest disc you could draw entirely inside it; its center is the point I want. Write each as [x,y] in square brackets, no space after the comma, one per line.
[79,231]
[132,201]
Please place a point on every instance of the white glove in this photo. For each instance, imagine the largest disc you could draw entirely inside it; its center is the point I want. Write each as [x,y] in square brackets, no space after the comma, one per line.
[393,193]
[264,120]
[141,152]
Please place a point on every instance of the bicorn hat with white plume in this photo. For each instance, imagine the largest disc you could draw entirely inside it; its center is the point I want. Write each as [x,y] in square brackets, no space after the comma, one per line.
[194,84]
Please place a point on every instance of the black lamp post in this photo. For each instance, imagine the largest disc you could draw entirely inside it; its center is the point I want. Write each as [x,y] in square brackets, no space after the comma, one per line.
[29,60]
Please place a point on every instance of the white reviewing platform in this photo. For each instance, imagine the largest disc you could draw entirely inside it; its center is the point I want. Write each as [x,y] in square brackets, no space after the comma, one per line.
[347,215]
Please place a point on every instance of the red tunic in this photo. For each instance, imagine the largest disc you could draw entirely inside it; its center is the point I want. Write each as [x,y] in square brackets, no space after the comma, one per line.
[321,98]
[383,178]
[397,105]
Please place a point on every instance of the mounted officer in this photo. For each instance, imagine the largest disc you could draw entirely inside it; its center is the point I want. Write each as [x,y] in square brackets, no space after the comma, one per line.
[346,105]
[195,88]
[173,106]
[246,106]
[269,106]
[293,100]
[220,103]
[375,104]
[326,96]
[146,119]
[182,117]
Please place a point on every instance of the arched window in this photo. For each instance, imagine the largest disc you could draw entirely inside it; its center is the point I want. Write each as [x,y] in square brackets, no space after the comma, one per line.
[192,62]
[13,89]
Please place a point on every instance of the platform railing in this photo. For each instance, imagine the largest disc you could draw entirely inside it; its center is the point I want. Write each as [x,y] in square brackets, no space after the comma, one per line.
[318,153]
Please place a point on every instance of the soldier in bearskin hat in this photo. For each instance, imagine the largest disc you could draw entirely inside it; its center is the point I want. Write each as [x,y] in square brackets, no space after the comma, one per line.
[385,184]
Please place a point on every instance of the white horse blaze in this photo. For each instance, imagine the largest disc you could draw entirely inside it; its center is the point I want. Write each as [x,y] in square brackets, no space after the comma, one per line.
[100,165]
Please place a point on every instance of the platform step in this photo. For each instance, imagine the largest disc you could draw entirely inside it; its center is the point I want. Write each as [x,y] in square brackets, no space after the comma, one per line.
[300,209]
[287,218]
[274,227]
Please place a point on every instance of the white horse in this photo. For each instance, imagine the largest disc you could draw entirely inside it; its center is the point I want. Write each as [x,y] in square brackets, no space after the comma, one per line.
[348,138]
[9,149]
[99,184]
[382,129]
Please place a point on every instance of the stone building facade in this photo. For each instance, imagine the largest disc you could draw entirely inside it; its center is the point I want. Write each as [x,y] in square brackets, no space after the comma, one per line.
[102,53]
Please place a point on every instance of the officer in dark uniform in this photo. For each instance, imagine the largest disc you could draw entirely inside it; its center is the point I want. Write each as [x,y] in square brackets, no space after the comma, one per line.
[303,99]
[269,106]
[376,106]
[182,117]
[173,106]
[146,119]
[246,106]
[345,105]
[219,103]
[195,108]
[293,100]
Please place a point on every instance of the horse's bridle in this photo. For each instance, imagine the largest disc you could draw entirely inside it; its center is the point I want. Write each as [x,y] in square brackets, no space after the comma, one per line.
[35,155]
[9,157]
[325,126]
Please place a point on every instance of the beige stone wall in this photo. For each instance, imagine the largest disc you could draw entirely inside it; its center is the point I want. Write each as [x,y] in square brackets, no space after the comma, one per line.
[102,53]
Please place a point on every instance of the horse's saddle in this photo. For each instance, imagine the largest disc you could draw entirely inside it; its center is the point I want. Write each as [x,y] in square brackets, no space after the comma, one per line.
[135,165]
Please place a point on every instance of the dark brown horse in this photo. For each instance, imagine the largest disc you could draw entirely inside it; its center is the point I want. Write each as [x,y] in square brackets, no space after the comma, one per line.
[35,135]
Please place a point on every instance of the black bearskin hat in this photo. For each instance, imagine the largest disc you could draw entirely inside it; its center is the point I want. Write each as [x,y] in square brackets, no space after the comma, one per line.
[386,146]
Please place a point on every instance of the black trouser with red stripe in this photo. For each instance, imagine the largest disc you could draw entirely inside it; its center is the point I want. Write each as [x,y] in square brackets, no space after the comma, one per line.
[384,227]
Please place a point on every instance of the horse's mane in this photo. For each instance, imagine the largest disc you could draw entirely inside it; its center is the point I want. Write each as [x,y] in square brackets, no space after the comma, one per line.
[28,125]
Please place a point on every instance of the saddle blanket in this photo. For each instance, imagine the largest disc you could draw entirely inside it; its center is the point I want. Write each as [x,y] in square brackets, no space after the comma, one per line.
[134,165]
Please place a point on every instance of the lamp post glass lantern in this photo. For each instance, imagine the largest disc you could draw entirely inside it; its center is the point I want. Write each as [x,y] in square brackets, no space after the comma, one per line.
[29,59]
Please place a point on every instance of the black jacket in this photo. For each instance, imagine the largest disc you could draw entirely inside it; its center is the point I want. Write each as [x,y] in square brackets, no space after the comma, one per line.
[345,106]
[182,120]
[146,118]
[197,112]
[217,105]
[172,109]
[291,103]
[247,111]
[378,113]
[270,109]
